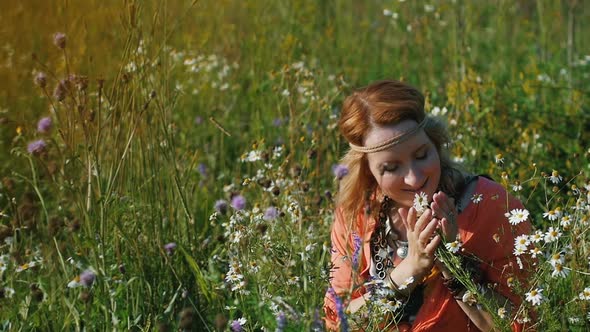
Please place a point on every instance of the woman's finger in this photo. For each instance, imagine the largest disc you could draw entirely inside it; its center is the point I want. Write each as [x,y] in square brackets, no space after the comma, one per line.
[411,219]
[423,220]
[431,247]
[426,234]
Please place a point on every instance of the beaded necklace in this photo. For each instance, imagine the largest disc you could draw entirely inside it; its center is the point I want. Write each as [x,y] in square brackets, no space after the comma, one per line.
[384,261]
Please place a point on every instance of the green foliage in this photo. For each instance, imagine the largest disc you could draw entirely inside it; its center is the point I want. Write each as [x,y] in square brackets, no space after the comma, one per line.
[166,108]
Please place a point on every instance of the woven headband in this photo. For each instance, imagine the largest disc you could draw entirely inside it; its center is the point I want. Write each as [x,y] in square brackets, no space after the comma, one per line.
[390,142]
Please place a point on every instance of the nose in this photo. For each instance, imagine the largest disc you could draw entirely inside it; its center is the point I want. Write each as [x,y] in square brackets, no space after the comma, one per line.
[414,177]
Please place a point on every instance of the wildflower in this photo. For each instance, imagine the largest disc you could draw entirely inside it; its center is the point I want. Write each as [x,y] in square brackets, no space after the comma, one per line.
[75,282]
[499,158]
[8,292]
[557,259]
[59,40]
[237,325]
[517,186]
[519,251]
[453,247]
[502,312]
[281,321]
[87,278]
[357,249]
[536,237]
[202,169]
[41,79]
[170,247]
[406,283]
[25,266]
[555,178]
[44,125]
[339,171]
[36,147]
[271,213]
[238,202]
[521,241]
[318,323]
[552,235]
[585,294]
[469,298]
[551,215]
[339,309]
[559,271]
[221,206]
[565,221]
[476,198]
[387,12]
[517,216]
[420,202]
[535,296]
[535,252]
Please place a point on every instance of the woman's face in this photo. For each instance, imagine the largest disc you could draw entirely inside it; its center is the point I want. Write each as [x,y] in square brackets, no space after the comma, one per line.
[407,168]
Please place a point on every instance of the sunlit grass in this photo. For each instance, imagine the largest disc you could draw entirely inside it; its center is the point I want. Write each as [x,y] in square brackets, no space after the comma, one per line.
[162,114]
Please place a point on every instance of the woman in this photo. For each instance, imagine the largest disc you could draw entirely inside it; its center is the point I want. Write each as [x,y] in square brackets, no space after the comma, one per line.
[379,236]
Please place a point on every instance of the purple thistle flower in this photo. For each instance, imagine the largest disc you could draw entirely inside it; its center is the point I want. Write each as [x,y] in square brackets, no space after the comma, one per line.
[340,171]
[281,322]
[87,278]
[277,122]
[221,206]
[44,125]
[236,326]
[238,202]
[318,324]
[202,168]
[36,147]
[41,79]
[357,241]
[169,247]
[340,310]
[271,213]
[59,40]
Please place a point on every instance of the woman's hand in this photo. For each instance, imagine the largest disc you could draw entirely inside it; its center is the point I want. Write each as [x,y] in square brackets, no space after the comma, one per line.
[443,207]
[422,242]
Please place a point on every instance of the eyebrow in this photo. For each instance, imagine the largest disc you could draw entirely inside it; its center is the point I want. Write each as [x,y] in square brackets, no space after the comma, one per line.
[381,165]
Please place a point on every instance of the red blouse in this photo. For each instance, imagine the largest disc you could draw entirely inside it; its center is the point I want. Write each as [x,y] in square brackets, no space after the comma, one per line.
[485,233]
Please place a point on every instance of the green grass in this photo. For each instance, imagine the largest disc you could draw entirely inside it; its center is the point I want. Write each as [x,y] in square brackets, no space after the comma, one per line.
[188,84]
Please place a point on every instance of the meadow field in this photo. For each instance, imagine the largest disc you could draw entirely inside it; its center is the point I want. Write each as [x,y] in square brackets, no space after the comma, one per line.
[168,165]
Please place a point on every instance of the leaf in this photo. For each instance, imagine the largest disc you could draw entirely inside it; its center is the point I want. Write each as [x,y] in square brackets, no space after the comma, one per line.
[198,274]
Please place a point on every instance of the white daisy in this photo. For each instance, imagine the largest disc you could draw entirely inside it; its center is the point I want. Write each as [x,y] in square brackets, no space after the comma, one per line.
[535,252]
[552,235]
[585,294]
[522,241]
[559,271]
[454,246]
[555,178]
[420,202]
[535,296]
[517,186]
[537,236]
[565,221]
[557,259]
[517,216]
[406,283]
[551,215]
[519,251]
